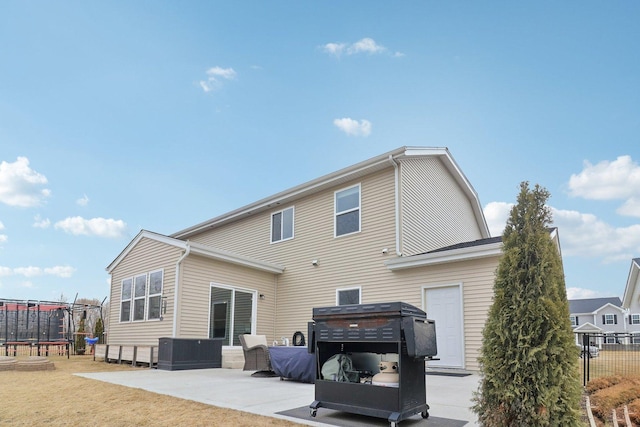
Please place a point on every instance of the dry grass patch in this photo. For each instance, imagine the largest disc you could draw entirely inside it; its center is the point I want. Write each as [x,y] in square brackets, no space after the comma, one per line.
[609,393]
[57,397]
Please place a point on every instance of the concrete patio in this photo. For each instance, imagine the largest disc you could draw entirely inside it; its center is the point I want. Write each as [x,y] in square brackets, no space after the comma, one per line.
[448,396]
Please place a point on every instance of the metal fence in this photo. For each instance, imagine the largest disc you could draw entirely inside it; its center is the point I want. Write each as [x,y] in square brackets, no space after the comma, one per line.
[608,354]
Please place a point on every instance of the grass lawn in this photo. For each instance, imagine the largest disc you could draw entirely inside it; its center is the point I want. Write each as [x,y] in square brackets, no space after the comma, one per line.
[57,397]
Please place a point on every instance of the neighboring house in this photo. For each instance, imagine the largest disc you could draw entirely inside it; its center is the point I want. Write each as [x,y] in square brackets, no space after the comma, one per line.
[631,300]
[599,316]
[403,226]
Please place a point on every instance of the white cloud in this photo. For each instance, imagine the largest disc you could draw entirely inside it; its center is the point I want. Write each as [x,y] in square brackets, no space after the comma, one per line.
[353,127]
[26,284]
[20,185]
[100,227]
[31,271]
[366,45]
[3,237]
[616,180]
[83,201]
[41,223]
[582,235]
[28,271]
[580,293]
[496,215]
[60,271]
[214,76]
[587,236]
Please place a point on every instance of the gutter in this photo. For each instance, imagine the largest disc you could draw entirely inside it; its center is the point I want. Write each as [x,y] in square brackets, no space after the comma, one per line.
[176,289]
[397,202]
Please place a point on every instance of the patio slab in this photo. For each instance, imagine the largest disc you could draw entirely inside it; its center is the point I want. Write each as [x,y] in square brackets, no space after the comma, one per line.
[449,397]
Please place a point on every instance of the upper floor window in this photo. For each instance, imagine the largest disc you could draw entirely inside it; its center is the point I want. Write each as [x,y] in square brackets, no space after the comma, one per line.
[634,319]
[347,211]
[574,320]
[348,296]
[282,225]
[609,319]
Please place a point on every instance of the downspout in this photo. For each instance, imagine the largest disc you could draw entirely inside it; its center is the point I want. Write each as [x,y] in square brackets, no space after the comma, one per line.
[176,289]
[397,202]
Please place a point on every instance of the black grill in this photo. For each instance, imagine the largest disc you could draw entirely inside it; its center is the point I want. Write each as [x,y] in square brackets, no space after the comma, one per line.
[368,333]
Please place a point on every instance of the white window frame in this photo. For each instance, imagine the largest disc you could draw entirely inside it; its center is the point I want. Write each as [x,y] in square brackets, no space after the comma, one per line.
[611,336]
[609,319]
[129,300]
[337,213]
[254,309]
[635,338]
[574,320]
[353,288]
[136,298]
[634,319]
[282,213]
[154,295]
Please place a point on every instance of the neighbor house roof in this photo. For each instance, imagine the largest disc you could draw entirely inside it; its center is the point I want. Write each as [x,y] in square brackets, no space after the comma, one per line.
[591,305]
[342,176]
[632,282]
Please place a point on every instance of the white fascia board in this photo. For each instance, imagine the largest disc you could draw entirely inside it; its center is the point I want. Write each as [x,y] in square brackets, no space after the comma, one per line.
[454,255]
[149,235]
[632,282]
[226,256]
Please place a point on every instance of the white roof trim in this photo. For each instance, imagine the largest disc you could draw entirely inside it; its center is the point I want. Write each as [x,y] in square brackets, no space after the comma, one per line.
[198,249]
[226,256]
[632,281]
[442,257]
[587,327]
[350,173]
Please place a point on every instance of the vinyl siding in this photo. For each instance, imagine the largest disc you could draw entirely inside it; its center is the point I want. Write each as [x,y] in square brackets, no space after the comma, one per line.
[198,275]
[345,261]
[435,211]
[148,255]
[476,278]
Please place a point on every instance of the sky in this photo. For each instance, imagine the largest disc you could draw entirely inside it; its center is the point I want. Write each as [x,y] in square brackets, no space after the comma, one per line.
[157,115]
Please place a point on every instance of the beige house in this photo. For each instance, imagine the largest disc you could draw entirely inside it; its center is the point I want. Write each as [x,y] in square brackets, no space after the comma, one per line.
[403,226]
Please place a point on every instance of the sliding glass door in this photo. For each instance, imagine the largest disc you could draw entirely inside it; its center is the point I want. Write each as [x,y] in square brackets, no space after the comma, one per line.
[232,314]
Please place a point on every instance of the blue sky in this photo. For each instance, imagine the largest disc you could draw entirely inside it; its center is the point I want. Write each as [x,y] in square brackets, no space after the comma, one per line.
[120,116]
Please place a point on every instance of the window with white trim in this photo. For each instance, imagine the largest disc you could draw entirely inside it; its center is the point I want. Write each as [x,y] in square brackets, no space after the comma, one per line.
[155,295]
[574,320]
[139,296]
[348,296]
[611,339]
[347,211]
[635,338]
[634,319]
[609,319]
[125,300]
[282,225]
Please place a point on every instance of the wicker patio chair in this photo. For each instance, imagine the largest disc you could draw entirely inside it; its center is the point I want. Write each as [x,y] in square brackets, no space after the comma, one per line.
[256,352]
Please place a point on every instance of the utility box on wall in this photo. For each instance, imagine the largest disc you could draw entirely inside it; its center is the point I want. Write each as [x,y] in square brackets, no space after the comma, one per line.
[189,353]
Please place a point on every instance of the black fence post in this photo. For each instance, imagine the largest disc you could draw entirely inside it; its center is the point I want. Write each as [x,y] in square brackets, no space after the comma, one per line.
[586,356]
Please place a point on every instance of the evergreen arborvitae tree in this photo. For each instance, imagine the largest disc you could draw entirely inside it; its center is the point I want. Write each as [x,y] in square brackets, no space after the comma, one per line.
[529,361]
[80,342]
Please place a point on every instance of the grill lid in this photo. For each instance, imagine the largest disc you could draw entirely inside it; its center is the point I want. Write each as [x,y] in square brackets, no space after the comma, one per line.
[383,309]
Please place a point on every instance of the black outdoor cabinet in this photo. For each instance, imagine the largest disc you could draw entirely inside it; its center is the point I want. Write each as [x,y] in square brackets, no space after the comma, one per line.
[365,331]
[189,353]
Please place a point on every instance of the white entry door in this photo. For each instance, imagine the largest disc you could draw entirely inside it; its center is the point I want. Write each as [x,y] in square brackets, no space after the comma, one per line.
[444,305]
